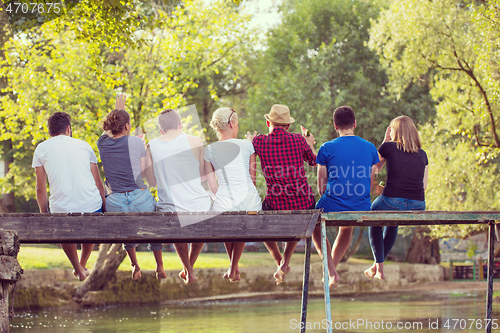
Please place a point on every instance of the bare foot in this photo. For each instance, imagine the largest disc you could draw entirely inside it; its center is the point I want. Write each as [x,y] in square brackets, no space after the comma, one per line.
[82,275]
[136,272]
[160,273]
[187,278]
[190,278]
[236,277]
[280,274]
[333,280]
[379,275]
[370,272]
[226,275]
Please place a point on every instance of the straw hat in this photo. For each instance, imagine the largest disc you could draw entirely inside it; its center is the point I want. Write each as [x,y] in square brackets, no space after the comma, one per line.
[280,114]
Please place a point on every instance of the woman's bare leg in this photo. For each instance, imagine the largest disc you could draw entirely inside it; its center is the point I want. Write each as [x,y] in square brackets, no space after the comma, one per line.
[136,270]
[183,254]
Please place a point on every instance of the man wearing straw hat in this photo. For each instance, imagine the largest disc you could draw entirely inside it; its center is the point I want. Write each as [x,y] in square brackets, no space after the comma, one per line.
[282,155]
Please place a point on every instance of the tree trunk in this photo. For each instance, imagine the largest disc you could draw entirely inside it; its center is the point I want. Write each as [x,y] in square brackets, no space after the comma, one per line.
[4,306]
[109,258]
[7,203]
[423,249]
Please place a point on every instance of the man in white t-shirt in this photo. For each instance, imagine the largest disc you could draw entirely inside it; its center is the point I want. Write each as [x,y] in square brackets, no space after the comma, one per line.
[75,184]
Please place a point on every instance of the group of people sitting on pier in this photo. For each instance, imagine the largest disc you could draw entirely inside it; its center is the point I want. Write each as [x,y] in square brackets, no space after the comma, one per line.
[177,164]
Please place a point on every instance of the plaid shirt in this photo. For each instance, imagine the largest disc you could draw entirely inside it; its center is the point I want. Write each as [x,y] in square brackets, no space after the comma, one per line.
[282,155]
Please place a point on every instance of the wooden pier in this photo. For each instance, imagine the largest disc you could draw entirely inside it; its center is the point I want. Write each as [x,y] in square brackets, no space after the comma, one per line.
[26,228]
[415,218]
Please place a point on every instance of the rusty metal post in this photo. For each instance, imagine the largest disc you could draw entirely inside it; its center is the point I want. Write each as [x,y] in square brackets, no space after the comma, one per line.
[491,264]
[326,284]
[305,285]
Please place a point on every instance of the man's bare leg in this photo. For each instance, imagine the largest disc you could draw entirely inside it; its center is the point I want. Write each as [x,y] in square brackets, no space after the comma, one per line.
[284,266]
[333,276]
[183,254]
[237,249]
[136,270]
[273,248]
[85,254]
[229,250]
[194,252]
[160,271]
[70,250]
[341,244]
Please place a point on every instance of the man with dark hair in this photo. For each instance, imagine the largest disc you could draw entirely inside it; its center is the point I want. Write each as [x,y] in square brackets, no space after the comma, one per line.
[58,122]
[343,117]
[282,155]
[75,184]
[345,173]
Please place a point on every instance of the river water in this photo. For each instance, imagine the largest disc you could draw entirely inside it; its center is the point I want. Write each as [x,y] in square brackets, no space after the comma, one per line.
[443,312]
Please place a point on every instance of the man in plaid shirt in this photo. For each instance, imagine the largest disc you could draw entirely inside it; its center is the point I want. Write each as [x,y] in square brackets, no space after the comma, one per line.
[282,155]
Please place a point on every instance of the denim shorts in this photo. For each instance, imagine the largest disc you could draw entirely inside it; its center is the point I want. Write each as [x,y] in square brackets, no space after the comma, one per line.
[388,203]
[134,201]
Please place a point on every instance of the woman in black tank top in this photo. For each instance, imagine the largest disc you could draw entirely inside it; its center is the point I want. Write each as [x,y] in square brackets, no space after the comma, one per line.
[407,173]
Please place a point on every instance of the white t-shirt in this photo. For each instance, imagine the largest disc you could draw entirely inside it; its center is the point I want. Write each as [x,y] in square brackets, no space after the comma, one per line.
[67,163]
[231,162]
[177,173]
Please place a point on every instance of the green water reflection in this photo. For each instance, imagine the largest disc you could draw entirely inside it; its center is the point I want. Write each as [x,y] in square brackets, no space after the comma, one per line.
[355,314]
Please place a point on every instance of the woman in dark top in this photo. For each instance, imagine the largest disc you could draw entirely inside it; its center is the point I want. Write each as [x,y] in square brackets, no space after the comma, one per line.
[124,162]
[407,173]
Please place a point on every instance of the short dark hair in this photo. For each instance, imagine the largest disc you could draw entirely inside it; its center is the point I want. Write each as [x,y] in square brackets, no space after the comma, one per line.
[169,119]
[58,122]
[343,117]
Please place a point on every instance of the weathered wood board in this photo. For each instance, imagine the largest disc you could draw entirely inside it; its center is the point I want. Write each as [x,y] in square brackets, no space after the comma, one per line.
[386,217]
[161,227]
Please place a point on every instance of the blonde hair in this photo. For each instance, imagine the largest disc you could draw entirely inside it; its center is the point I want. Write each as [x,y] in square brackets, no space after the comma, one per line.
[405,134]
[221,119]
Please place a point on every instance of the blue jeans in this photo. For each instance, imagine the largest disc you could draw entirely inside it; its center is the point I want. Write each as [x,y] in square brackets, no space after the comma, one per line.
[382,242]
[134,201]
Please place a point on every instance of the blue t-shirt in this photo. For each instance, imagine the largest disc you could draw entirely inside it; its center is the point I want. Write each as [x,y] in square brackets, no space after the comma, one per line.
[349,161]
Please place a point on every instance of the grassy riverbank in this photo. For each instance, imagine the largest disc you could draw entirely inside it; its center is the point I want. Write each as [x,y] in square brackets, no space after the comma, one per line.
[50,258]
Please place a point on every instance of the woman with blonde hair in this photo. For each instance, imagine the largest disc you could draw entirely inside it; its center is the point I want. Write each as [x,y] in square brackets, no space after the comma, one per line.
[233,162]
[407,174]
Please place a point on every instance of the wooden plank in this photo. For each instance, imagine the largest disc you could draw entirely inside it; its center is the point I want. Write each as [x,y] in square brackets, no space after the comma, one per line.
[161,227]
[381,218]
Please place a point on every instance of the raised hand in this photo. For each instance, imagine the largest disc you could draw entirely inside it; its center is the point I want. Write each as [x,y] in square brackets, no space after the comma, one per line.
[306,134]
[249,136]
[387,134]
[120,102]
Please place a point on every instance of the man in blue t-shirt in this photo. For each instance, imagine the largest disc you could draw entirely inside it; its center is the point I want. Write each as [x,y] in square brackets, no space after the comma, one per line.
[345,173]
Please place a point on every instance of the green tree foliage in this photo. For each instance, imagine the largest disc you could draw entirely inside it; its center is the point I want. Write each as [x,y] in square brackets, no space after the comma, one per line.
[450,44]
[49,70]
[316,60]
